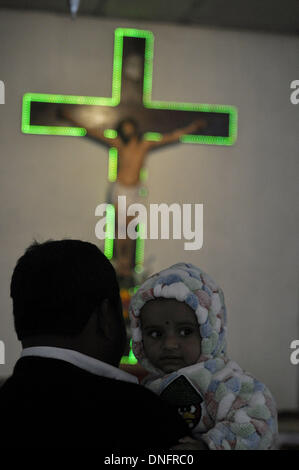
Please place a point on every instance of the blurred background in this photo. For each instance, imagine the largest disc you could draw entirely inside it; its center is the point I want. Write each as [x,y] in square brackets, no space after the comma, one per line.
[243,54]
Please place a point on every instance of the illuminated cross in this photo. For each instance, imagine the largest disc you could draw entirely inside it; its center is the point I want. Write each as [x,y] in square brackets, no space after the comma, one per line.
[131,97]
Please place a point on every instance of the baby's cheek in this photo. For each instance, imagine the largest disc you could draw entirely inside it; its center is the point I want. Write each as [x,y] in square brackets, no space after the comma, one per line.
[192,351]
[150,349]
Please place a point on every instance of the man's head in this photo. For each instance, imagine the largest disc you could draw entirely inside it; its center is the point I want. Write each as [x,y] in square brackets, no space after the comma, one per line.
[65,293]
[127,129]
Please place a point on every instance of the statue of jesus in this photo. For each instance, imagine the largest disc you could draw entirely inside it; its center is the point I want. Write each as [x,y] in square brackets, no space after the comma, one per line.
[132,151]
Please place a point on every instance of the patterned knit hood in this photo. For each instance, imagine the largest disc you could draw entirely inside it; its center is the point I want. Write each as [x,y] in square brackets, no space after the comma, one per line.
[185,283]
[224,406]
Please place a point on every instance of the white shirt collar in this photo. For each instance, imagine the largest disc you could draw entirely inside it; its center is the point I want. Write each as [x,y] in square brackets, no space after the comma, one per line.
[80,360]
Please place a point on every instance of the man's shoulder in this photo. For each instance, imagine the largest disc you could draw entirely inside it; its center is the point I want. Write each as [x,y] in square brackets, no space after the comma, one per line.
[49,373]
[42,392]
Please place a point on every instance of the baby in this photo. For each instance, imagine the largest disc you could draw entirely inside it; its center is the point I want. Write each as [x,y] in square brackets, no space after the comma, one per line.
[178,323]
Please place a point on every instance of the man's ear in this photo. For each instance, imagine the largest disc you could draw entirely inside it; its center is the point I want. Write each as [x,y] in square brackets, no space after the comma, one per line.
[105,320]
[110,321]
[111,327]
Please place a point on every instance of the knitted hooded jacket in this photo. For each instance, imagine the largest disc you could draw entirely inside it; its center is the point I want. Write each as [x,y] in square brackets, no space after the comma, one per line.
[237,411]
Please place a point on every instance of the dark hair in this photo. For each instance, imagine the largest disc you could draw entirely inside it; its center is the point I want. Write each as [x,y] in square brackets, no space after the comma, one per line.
[57,285]
[120,132]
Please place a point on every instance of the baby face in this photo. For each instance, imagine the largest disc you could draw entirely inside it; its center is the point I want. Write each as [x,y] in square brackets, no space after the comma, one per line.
[170,332]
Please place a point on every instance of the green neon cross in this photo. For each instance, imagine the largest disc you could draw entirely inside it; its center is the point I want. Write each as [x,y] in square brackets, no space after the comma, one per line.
[153,116]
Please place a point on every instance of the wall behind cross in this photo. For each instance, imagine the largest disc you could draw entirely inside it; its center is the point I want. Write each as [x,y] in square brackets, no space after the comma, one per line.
[50,186]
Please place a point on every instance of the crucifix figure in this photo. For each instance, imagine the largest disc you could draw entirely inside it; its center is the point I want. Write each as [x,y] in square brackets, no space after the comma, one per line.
[130,123]
[132,150]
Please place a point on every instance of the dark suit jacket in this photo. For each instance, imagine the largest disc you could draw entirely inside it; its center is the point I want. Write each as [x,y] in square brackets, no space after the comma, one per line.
[49,402]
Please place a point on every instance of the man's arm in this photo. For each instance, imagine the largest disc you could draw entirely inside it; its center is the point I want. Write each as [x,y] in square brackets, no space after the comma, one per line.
[94,132]
[174,136]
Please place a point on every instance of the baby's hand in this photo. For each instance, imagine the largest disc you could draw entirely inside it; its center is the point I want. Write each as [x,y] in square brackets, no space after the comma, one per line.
[188,443]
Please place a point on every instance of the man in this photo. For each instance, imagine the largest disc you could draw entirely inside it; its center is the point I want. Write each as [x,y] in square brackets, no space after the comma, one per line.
[67,389]
[132,151]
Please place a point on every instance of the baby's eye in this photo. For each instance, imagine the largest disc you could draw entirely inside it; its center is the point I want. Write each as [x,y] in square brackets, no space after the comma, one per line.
[154,334]
[186,331]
